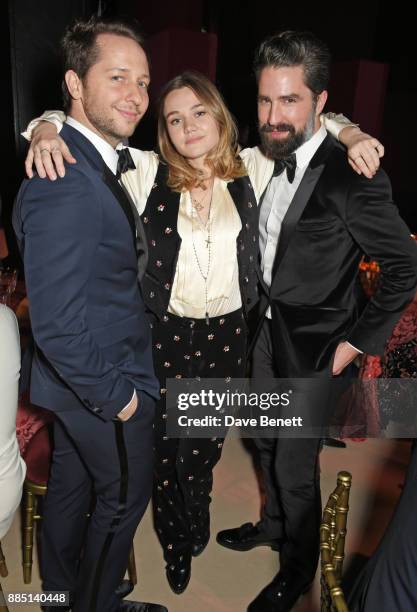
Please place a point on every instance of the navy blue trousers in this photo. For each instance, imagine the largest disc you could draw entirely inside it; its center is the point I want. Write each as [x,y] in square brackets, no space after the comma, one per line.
[111,463]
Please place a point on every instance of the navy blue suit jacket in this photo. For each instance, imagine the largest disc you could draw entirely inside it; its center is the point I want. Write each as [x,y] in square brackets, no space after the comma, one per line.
[93,341]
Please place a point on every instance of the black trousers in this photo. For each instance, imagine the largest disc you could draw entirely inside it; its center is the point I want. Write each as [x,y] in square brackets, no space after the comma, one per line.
[190,348]
[291,475]
[114,460]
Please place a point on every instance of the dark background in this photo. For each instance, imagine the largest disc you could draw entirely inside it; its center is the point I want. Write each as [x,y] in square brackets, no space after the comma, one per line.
[218,37]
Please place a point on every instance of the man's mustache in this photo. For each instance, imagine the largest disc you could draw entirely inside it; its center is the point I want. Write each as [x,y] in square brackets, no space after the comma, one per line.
[279,127]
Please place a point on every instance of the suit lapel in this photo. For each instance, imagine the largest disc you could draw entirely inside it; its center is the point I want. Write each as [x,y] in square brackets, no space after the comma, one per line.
[115,187]
[123,198]
[300,200]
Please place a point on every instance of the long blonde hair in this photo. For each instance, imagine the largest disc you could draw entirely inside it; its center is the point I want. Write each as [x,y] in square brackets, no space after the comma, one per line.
[223,160]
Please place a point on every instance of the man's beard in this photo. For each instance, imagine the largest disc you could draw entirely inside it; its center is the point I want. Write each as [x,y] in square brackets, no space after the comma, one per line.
[282,148]
[106,125]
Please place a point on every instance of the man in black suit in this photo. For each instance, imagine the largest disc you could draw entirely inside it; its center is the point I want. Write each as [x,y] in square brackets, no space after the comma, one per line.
[93,364]
[317,218]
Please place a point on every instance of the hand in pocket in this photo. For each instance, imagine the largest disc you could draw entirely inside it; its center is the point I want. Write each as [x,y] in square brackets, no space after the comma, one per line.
[344,355]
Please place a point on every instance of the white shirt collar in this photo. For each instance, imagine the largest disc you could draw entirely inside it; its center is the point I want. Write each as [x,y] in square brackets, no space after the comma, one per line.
[107,152]
[307,150]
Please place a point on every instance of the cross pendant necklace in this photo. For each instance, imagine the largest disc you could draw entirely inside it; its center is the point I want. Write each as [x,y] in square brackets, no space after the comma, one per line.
[208,246]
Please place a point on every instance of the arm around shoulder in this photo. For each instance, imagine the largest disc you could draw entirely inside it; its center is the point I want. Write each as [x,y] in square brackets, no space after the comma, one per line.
[56,117]
[139,182]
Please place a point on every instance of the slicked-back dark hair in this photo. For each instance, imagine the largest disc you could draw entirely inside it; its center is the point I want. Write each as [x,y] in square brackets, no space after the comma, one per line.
[79,47]
[291,48]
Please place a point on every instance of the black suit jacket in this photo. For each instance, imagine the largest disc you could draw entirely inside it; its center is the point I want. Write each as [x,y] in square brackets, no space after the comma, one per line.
[336,216]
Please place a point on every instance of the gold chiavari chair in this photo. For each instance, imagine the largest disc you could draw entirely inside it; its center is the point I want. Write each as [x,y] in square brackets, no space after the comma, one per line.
[332,545]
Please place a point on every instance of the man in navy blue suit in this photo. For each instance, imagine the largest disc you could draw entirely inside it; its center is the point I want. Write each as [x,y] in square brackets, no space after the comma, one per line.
[80,240]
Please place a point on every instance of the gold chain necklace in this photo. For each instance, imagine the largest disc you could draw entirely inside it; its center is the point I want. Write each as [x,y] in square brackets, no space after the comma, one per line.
[198,204]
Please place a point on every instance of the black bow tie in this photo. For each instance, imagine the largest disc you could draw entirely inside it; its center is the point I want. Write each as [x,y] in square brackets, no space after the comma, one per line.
[290,163]
[125,162]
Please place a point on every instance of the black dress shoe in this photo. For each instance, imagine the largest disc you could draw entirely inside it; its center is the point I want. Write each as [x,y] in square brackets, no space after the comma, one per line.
[334,442]
[281,594]
[246,537]
[139,606]
[124,589]
[178,574]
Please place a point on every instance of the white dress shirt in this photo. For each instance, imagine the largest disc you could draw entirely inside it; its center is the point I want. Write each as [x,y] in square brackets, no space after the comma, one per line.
[277,199]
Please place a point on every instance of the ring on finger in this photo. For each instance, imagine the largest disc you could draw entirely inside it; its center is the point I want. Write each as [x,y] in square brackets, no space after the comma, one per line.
[42,150]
